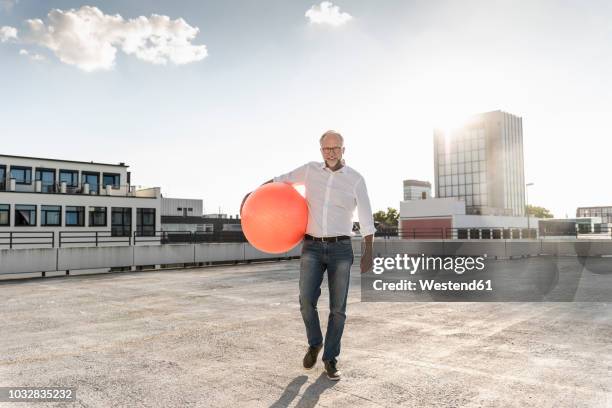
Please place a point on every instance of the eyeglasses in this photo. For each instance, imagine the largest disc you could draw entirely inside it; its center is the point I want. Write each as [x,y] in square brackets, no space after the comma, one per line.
[335,149]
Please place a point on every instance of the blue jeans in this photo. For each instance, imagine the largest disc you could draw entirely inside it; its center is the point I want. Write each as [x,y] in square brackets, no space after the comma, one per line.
[336,258]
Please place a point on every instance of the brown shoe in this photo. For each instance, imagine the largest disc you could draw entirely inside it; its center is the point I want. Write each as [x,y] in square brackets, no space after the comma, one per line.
[332,372]
[311,356]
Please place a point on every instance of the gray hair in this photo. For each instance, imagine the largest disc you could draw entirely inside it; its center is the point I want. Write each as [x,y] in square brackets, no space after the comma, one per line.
[329,133]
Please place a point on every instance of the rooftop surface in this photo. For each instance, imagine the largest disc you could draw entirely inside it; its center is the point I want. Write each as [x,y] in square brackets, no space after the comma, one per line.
[233,336]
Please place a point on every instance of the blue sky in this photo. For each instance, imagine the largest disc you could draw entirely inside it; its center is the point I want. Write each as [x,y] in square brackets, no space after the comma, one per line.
[272,82]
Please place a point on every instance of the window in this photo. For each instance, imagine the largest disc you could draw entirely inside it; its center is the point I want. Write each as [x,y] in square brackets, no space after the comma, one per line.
[121,221]
[179,209]
[97,216]
[232,227]
[145,221]
[22,175]
[75,216]
[47,179]
[51,215]
[25,215]
[2,177]
[190,209]
[71,177]
[4,214]
[111,179]
[93,179]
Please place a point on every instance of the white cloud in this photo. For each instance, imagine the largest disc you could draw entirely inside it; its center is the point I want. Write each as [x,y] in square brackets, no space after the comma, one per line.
[33,56]
[7,33]
[89,39]
[327,13]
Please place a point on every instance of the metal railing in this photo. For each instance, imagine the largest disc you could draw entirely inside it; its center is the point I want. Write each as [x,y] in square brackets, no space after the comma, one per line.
[580,231]
[20,239]
[459,233]
[122,190]
[97,238]
[176,237]
[12,239]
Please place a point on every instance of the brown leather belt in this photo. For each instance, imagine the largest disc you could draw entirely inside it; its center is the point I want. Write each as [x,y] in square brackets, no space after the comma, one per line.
[326,239]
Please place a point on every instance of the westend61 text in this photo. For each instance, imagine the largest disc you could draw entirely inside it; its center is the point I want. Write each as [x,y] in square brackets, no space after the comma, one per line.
[426,263]
[429,285]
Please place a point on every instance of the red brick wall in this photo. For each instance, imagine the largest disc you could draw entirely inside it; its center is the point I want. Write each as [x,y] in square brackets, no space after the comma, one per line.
[428,228]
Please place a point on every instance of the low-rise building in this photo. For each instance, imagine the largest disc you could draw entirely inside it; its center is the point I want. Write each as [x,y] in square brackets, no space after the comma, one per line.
[182,220]
[62,199]
[603,212]
[446,218]
[570,227]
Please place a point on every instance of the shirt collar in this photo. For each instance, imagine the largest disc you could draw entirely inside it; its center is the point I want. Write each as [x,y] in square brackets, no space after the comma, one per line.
[341,170]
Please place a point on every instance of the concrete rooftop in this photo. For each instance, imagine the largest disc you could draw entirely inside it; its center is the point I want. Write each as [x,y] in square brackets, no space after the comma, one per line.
[233,336]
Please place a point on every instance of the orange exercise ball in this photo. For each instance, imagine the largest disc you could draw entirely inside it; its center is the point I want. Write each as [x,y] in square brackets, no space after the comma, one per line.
[274,218]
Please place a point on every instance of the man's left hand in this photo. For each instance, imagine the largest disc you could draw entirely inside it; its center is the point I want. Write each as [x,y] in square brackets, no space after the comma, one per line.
[366,261]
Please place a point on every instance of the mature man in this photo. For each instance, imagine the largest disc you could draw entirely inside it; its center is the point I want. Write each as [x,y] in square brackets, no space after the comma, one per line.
[333,191]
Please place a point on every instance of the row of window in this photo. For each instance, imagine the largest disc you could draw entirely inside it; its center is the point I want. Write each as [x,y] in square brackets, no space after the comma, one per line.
[462,145]
[476,199]
[23,175]
[460,179]
[594,211]
[463,190]
[461,157]
[462,168]
[51,216]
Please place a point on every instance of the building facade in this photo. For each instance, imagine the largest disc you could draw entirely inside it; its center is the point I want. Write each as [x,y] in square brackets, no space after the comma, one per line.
[417,190]
[447,218]
[53,196]
[182,220]
[604,212]
[482,163]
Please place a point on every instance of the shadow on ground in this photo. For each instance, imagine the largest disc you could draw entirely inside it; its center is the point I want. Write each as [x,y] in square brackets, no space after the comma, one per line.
[310,396]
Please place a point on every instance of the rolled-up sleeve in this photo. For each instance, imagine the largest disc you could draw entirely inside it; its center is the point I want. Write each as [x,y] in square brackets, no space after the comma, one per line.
[364,209]
[295,176]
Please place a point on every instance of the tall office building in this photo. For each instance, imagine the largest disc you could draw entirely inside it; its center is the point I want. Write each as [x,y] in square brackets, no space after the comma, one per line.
[482,163]
[416,190]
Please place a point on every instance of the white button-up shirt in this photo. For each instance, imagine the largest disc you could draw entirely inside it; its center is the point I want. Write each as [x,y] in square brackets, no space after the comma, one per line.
[332,197]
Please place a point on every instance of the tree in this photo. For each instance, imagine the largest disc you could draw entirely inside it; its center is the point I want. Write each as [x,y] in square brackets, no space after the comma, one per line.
[389,219]
[538,212]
